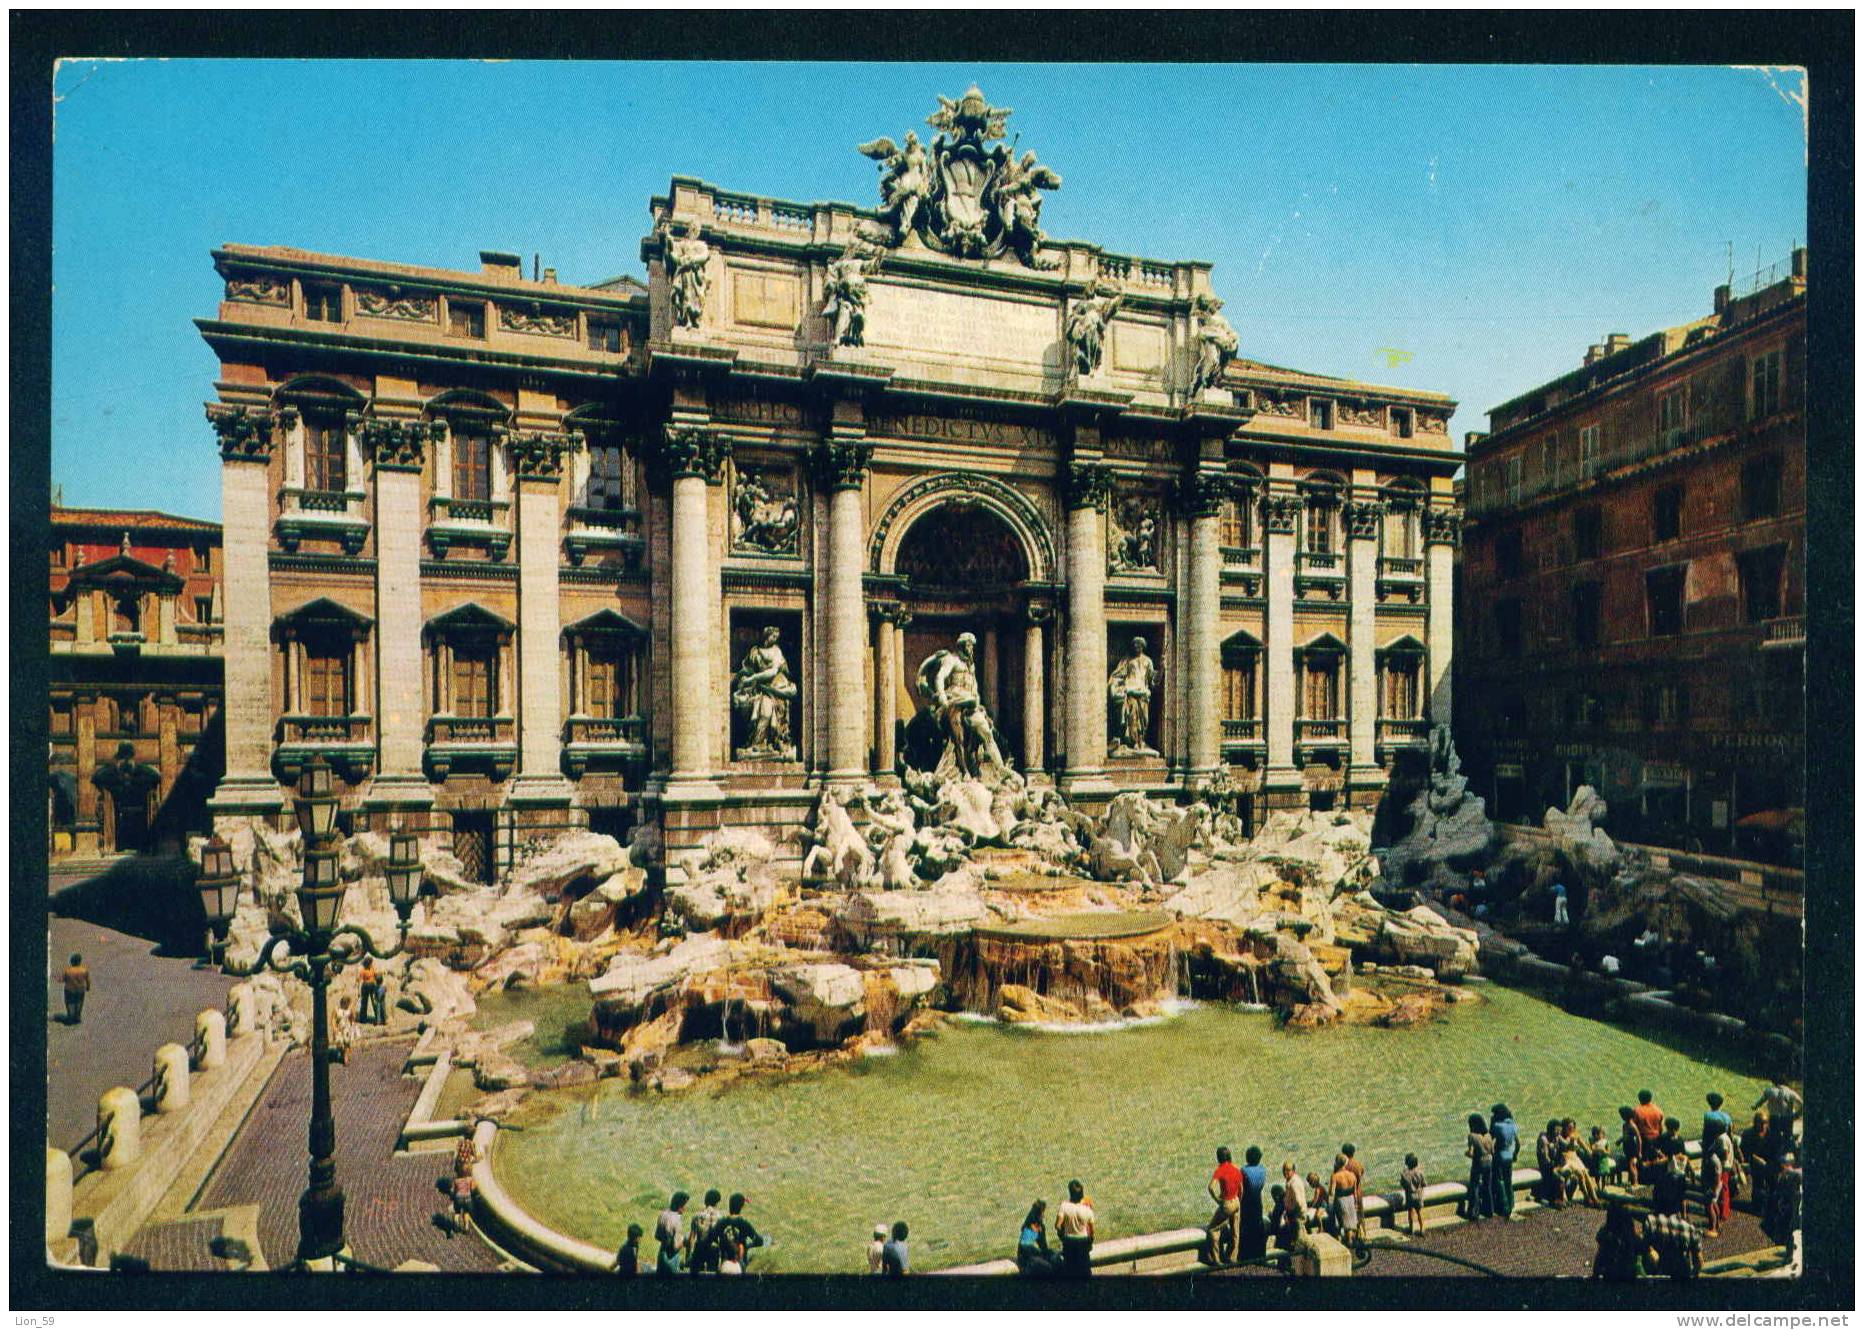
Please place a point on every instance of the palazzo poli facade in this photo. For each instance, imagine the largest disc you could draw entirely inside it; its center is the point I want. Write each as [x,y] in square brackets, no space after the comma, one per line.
[510,552]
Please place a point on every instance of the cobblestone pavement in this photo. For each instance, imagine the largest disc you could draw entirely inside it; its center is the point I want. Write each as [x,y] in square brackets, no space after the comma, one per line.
[1544,1244]
[180,1246]
[390,1202]
[139,1001]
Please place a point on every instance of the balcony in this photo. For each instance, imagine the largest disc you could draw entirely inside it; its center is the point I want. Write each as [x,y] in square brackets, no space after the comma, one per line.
[1401,579]
[1318,739]
[1322,572]
[345,742]
[593,530]
[1394,735]
[480,522]
[1238,557]
[604,743]
[321,515]
[1784,633]
[487,743]
[1243,741]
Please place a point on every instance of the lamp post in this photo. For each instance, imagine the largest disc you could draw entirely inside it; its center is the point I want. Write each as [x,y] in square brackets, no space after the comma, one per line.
[315,952]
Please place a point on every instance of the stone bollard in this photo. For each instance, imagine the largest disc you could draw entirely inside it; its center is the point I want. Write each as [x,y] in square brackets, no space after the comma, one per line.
[242,1011]
[171,1078]
[210,1032]
[57,1194]
[119,1117]
[1322,1255]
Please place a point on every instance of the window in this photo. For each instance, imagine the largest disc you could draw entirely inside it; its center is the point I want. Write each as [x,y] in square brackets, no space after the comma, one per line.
[128,616]
[1241,657]
[1320,511]
[1320,692]
[1508,627]
[1514,479]
[1670,417]
[58,555]
[1761,572]
[1401,529]
[475,671]
[604,335]
[1587,599]
[611,683]
[472,466]
[1238,531]
[1766,396]
[1320,413]
[1666,705]
[1550,463]
[1588,533]
[323,303]
[1666,513]
[327,679]
[1588,452]
[1403,422]
[1760,487]
[1664,592]
[203,558]
[608,477]
[203,609]
[466,318]
[1401,694]
[1508,559]
[326,453]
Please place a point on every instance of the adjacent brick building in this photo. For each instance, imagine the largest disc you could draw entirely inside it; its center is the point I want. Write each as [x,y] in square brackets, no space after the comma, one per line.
[135,678]
[1633,583]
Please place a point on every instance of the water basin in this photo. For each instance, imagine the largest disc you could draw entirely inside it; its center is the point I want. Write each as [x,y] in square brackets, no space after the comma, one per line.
[957,1134]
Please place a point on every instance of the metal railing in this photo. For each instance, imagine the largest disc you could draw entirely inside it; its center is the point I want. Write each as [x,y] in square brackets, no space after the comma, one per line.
[85,1160]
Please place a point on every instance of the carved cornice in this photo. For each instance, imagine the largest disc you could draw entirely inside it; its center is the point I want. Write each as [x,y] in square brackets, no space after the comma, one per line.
[1362,518]
[245,433]
[1087,485]
[397,445]
[1280,513]
[1442,526]
[539,454]
[841,464]
[690,450]
[1201,494]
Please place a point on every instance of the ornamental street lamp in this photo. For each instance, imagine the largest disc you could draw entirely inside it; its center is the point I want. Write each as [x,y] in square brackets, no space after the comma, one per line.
[316,952]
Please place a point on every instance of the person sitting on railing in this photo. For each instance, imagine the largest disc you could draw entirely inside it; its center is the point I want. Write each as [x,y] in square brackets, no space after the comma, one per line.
[1034,1257]
[1074,1225]
[1574,1168]
[628,1256]
[734,1236]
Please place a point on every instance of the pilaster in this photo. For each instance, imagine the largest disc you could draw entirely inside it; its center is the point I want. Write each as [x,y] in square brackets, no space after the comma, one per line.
[1281,511]
[1362,519]
[841,466]
[1442,531]
[538,464]
[1201,499]
[1087,487]
[694,456]
[397,448]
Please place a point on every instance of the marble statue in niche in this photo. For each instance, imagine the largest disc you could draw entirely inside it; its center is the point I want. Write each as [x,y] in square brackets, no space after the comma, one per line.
[1135,544]
[765,518]
[763,690]
[948,684]
[1131,685]
[687,257]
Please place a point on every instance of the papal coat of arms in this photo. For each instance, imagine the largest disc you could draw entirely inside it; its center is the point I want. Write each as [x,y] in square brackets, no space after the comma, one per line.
[968,194]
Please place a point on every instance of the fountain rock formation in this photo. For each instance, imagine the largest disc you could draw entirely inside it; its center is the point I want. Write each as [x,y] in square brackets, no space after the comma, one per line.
[1449,829]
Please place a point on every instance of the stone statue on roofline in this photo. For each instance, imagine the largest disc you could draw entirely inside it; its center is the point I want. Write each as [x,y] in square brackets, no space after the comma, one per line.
[1217,344]
[1086,328]
[687,257]
[846,289]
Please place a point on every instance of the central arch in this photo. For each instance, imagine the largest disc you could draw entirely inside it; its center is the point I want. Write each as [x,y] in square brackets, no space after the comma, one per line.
[961,547]
[963,491]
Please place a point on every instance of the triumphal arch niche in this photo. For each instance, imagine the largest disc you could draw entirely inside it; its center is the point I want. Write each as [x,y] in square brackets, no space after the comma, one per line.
[934,428]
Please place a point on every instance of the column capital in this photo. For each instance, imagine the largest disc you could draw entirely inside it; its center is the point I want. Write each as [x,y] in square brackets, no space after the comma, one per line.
[1362,518]
[1036,615]
[397,445]
[1201,493]
[245,433]
[1088,485]
[694,450]
[841,462]
[1280,513]
[1442,526]
[539,454]
[890,611]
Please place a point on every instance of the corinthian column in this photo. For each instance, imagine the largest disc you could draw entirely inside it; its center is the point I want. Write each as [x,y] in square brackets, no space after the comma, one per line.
[398,449]
[1441,532]
[245,509]
[888,621]
[1087,486]
[1362,531]
[1203,498]
[695,459]
[1035,702]
[842,467]
[1280,512]
[538,466]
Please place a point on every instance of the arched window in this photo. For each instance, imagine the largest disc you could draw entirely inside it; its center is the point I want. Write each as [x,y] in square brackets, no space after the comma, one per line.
[473,423]
[317,412]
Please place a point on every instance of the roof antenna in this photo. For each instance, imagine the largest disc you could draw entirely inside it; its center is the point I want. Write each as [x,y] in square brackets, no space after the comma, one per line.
[1731,262]
[536,259]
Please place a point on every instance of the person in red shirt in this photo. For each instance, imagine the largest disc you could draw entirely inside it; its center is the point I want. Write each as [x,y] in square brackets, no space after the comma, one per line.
[1223,1234]
[1649,1121]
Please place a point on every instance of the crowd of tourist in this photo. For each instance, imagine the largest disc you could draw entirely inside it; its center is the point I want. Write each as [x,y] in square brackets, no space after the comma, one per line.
[1649,1235]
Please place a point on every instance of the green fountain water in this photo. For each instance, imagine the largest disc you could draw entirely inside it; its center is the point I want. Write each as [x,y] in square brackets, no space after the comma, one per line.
[960,1132]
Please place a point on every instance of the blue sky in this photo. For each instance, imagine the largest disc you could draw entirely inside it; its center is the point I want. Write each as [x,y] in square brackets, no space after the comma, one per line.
[1490,220]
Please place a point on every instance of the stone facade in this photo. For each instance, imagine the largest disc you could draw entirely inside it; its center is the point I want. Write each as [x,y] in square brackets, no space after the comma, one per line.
[1634,582]
[561,517]
[134,678]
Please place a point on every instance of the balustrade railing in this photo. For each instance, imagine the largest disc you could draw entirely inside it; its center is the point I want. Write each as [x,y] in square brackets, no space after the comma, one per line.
[324,729]
[1235,556]
[1394,731]
[1791,628]
[1399,567]
[1320,729]
[1317,561]
[607,729]
[487,511]
[1244,730]
[469,729]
